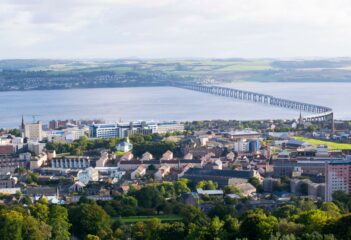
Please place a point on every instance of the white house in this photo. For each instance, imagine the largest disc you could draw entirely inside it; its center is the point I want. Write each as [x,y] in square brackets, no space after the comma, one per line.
[87,175]
[124,146]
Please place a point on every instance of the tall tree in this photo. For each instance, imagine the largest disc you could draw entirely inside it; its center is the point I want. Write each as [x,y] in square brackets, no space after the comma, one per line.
[58,219]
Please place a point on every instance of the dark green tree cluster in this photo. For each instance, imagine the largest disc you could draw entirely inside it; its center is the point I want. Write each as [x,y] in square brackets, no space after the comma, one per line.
[36,222]
[78,147]
[152,144]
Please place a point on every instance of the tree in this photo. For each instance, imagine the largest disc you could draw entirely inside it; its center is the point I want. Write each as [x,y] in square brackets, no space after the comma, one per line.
[221,210]
[181,186]
[331,209]
[92,237]
[11,223]
[341,228]
[35,230]
[285,211]
[257,225]
[58,219]
[231,225]
[89,219]
[194,215]
[314,220]
[149,197]
[138,231]
[215,229]
[172,231]
[40,211]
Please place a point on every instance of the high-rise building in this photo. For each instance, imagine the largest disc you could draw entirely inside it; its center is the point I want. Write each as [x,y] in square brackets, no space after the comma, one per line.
[337,177]
[33,131]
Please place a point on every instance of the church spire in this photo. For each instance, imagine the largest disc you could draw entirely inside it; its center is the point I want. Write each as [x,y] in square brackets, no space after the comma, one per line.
[22,124]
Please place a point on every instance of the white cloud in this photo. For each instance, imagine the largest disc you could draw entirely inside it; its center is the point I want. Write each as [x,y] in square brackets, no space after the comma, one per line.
[174,28]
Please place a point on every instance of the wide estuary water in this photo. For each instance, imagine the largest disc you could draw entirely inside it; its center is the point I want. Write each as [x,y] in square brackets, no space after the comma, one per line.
[167,103]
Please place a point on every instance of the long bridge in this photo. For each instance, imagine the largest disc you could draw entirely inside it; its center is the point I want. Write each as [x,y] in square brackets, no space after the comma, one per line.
[319,113]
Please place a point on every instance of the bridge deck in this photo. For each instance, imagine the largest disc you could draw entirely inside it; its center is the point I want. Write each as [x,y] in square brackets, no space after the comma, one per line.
[321,111]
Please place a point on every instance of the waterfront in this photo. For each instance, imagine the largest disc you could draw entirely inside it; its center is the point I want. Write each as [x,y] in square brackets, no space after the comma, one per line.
[166,103]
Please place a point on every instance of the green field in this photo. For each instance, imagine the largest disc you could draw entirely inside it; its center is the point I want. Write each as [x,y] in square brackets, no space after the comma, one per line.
[331,145]
[163,218]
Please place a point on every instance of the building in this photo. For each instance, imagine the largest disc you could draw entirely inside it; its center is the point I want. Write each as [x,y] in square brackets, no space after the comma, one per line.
[168,155]
[78,162]
[124,146]
[38,161]
[8,163]
[88,175]
[162,172]
[139,172]
[245,134]
[7,181]
[127,156]
[338,177]
[269,184]
[65,135]
[222,177]
[165,127]
[147,156]
[33,131]
[102,160]
[104,131]
[122,130]
[7,149]
[36,147]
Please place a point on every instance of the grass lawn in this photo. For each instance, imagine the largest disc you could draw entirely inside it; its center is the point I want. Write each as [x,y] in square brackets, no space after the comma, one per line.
[331,145]
[163,218]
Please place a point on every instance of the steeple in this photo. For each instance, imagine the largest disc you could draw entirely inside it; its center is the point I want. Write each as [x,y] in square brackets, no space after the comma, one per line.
[22,124]
[300,119]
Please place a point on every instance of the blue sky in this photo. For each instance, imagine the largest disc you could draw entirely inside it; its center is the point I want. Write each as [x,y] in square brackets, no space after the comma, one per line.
[174,28]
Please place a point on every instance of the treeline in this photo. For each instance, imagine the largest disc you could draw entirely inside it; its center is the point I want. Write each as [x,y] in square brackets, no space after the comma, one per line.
[300,219]
[78,147]
[141,143]
[152,143]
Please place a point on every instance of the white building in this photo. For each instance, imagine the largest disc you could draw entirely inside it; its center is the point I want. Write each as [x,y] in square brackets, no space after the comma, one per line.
[165,127]
[124,146]
[88,175]
[36,147]
[71,162]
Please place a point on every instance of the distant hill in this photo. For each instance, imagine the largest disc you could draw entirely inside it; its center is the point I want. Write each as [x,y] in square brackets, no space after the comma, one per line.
[64,74]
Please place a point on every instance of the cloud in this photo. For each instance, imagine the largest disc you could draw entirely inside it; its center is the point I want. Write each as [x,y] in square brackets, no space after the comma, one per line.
[174,28]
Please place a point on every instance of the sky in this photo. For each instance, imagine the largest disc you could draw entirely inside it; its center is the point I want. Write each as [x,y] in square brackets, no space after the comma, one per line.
[174,28]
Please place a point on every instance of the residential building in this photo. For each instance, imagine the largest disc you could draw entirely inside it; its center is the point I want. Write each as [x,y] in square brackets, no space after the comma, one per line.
[38,161]
[33,131]
[147,157]
[139,172]
[162,172]
[338,177]
[78,162]
[168,155]
[7,181]
[127,156]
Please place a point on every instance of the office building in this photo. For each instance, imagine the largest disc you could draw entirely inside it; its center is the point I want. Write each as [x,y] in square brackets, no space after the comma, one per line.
[33,131]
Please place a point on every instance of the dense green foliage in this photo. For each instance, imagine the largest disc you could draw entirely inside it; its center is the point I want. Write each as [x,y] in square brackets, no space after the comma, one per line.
[300,219]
